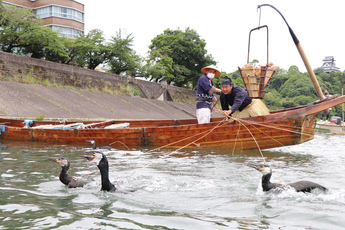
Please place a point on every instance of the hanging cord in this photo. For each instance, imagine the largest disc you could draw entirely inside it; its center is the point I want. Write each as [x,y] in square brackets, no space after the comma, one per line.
[165,156]
[254,124]
[239,120]
[259,16]
[152,150]
[120,143]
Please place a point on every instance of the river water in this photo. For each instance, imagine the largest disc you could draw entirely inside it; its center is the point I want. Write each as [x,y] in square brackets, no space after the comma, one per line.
[188,189]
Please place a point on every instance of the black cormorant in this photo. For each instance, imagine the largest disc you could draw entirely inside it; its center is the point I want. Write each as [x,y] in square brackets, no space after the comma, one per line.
[299,186]
[102,163]
[94,145]
[70,181]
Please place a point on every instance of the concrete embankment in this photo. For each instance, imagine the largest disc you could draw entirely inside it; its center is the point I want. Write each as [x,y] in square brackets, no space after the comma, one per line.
[32,101]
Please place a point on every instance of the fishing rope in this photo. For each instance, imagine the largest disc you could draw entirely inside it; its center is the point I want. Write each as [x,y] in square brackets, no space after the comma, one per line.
[167,145]
[274,127]
[239,120]
[238,131]
[120,143]
[253,123]
[165,156]
[269,136]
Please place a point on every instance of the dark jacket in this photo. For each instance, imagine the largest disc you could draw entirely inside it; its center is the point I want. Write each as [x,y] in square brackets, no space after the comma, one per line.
[238,99]
[204,100]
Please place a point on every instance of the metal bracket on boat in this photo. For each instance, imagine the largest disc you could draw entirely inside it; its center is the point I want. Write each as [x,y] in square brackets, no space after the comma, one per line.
[28,123]
[2,127]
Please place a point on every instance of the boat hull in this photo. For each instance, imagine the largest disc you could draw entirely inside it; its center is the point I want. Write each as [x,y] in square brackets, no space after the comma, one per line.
[280,128]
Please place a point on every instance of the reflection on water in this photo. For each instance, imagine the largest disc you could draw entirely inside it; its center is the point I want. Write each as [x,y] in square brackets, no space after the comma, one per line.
[190,189]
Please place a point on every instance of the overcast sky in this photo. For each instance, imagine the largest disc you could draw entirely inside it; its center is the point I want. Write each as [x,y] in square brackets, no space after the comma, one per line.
[225,26]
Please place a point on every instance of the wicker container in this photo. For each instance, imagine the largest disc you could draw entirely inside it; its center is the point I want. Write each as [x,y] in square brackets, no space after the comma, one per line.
[256,80]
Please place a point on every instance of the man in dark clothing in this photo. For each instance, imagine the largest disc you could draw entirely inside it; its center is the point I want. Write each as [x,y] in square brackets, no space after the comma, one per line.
[235,96]
[241,104]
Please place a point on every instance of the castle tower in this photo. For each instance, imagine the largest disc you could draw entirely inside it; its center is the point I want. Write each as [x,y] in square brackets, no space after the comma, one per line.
[329,65]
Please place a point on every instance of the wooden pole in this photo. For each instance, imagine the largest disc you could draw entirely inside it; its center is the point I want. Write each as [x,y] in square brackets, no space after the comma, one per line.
[301,52]
[310,72]
[214,104]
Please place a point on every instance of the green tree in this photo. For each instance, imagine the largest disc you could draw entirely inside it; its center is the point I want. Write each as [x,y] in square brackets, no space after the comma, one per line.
[22,32]
[298,84]
[273,98]
[70,49]
[99,51]
[178,56]
[122,57]
[303,99]
[289,104]
[278,81]
[88,50]
[15,22]
[39,40]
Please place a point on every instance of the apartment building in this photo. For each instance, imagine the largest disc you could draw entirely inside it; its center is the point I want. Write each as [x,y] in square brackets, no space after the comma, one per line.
[64,16]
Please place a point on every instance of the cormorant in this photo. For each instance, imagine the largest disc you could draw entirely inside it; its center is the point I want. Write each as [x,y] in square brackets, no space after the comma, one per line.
[94,145]
[299,186]
[70,181]
[102,163]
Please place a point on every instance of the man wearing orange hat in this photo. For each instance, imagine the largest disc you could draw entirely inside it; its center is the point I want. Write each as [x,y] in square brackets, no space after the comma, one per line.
[205,93]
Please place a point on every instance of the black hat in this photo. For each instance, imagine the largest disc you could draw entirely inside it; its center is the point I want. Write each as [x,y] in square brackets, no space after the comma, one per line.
[226,81]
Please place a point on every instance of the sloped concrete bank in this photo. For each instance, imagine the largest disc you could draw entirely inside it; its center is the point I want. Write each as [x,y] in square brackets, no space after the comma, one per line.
[19,100]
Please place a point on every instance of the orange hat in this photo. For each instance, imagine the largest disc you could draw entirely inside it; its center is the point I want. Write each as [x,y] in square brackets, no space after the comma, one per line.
[211,67]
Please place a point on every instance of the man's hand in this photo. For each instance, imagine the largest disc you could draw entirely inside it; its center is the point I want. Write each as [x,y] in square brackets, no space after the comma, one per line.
[227,112]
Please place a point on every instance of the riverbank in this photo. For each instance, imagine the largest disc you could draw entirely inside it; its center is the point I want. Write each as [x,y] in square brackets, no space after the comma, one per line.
[19,100]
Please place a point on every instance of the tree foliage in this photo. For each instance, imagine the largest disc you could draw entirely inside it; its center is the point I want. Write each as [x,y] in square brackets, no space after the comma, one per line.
[15,22]
[91,49]
[22,32]
[177,56]
[40,40]
[122,57]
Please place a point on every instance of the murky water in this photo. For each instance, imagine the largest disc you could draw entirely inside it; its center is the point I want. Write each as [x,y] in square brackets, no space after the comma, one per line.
[191,189]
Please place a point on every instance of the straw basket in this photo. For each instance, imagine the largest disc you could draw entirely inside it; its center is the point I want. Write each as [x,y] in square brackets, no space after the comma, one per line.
[256,80]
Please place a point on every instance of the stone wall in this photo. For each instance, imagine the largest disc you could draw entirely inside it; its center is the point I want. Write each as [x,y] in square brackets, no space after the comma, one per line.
[17,67]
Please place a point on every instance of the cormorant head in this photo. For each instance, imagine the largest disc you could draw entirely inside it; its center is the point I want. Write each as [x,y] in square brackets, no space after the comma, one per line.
[94,144]
[91,141]
[263,168]
[61,160]
[95,157]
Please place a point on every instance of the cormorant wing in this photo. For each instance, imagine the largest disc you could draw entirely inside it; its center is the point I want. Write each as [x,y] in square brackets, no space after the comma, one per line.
[306,186]
[78,182]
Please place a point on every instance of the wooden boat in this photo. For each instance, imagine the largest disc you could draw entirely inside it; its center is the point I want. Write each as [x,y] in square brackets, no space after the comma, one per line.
[332,127]
[280,128]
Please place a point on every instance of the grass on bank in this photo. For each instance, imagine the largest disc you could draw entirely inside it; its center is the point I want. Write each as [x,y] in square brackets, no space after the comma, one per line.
[102,86]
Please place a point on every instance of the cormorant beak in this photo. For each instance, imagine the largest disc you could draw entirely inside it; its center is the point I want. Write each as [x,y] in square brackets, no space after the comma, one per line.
[258,167]
[89,157]
[55,159]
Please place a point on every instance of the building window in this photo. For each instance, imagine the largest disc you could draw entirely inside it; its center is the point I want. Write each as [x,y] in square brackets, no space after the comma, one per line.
[62,12]
[66,31]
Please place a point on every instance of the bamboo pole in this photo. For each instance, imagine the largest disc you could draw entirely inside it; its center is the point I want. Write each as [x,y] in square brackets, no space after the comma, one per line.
[301,52]
[310,71]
